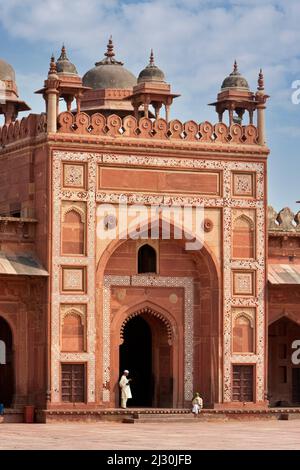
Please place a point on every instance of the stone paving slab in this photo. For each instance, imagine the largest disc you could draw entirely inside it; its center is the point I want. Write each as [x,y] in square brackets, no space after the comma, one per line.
[185,436]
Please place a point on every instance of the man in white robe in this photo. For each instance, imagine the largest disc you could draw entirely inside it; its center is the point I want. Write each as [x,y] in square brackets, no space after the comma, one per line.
[125,389]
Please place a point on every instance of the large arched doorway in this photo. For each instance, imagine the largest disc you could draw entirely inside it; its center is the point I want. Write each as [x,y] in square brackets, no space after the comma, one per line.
[147,352]
[6,364]
[136,354]
[186,292]
[284,368]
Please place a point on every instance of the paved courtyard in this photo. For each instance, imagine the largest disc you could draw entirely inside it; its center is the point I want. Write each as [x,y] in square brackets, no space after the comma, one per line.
[117,436]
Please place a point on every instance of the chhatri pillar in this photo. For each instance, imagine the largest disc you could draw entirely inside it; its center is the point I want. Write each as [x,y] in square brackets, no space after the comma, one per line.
[152,89]
[51,94]
[70,83]
[10,103]
[261,99]
[235,97]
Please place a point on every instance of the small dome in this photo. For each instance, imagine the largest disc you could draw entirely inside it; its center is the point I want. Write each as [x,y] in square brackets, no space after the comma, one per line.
[235,80]
[63,65]
[109,73]
[6,71]
[151,73]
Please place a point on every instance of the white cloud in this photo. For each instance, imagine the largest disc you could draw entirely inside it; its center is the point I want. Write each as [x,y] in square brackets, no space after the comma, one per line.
[195,41]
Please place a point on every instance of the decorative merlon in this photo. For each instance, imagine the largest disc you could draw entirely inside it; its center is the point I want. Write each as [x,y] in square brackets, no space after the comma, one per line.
[283,221]
[159,129]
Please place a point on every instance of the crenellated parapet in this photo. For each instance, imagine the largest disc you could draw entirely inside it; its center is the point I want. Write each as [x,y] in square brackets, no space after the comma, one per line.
[146,128]
[129,127]
[283,221]
[29,126]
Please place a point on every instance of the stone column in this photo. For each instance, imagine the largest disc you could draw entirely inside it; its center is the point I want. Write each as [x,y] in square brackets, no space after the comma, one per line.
[52,94]
[250,116]
[157,107]
[52,99]
[10,113]
[167,106]
[261,124]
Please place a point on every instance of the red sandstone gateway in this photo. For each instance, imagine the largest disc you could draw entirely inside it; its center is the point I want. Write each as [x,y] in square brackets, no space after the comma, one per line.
[76,309]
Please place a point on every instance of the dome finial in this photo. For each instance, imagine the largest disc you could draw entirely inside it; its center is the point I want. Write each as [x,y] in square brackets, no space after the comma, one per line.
[63,55]
[52,68]
[261,81]
[63,64]
[235,79]
[110,48]
[151,58]
[109,58]
[151,73]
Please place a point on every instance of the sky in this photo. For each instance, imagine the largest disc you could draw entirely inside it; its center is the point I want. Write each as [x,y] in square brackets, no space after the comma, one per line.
[195,43]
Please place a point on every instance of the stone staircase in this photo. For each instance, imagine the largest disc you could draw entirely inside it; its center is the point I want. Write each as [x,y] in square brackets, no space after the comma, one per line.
[163,415]
[206,415]
[170,415]
[13,416]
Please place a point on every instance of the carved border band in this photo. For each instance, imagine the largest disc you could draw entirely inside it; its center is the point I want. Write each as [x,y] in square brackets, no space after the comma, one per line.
[154,281]
[58,261]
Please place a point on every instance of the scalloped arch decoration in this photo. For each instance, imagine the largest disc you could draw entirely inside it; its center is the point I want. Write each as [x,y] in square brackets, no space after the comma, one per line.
[153,313]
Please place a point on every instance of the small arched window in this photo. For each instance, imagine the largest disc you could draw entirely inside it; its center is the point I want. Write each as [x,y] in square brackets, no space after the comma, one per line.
[243,238]
[146,259]
[72,333]
[243,335]
[73,234]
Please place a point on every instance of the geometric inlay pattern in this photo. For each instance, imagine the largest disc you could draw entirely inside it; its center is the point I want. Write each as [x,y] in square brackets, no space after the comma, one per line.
[238,192]
[148,281]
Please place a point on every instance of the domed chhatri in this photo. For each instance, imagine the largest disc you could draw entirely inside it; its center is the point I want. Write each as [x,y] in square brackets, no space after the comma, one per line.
[63,64]
[152,90]
[235,80]
[109,73]
[7,72]
[10,103]
[151,73]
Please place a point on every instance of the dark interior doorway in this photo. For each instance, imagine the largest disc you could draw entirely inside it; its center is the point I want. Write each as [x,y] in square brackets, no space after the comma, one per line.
[136,356]
[296,385]
[284,375]
[6,369]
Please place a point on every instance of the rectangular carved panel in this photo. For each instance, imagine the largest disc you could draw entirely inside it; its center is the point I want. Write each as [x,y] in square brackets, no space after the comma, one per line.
[243,184]
[160,181]
[74,175]
[243,283]
[74,279]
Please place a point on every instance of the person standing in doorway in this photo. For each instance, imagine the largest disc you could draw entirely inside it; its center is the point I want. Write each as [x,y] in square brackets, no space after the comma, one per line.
[125,388]
[197,404]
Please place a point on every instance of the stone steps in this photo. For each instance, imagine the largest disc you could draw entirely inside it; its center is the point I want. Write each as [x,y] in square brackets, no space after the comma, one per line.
[173,418]
[13,416]
[164,415]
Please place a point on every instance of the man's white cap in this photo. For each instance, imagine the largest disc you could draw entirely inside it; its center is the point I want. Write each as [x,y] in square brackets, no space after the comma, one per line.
[126,371]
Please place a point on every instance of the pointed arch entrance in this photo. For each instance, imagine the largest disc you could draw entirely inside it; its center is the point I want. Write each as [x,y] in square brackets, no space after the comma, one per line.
[284,366]
[186,290]
[146,349]
[6,364]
